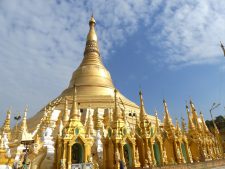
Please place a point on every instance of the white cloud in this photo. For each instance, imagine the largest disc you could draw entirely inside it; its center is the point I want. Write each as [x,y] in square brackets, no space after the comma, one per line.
[43,41]
[189,31]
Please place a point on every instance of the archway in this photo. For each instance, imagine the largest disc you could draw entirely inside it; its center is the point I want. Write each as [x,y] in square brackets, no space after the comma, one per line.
[184,152]
[77,153]
[127,155]
[157,153]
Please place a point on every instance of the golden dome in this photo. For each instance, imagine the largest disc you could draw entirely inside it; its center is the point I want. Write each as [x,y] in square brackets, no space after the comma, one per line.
[93,82]
[92,79]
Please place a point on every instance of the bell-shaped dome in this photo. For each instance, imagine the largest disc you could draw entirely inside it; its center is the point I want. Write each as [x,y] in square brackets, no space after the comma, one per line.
[91,73]
[92,79]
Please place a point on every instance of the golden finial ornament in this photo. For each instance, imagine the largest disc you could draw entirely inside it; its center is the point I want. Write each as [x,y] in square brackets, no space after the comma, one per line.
[74,115]
[156,121]
[142,108]
[183,125]
[90,124]
[66,113]
[92,34]
[24,121]
[191,126]
[6,126]
[167,118]
[204,126]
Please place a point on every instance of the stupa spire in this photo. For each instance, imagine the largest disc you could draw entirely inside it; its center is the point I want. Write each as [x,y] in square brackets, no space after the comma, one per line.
[92,34]
[24,121]
[6,126]
[191,126]
[117,112]
[193,110]
[167,118]
[91,71]
[91,51]
[66,113]
[74,115]
[90,124]
[195,116]
[157,129]
[24,135]
[183,126]
[205,128]
[142,108]
[178,130]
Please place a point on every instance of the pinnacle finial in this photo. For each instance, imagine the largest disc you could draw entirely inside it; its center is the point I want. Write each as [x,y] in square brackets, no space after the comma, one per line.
[24,121]
[92,20]
[191,126]
[6,125]
[156,113]
[183,125]
[156,120]
[74,112]
[92,34]
[167,119]
[25,112]
[192,105]
[115,98]
[177,125]
[204,126]
[66,116]
[165,107]
[142,108]
[117,111]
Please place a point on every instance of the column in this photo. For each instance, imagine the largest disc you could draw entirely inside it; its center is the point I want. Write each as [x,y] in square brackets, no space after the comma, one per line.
[85,152]
[69,153]
[153,154]
[122,153]
[162,160]
[110,154]
[104,155]
[63,160]
[146,161]
[59,152]
[134,158]
[146,148]
[117,155]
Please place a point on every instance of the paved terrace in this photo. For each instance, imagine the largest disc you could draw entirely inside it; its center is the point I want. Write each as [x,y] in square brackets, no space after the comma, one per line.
[215,164]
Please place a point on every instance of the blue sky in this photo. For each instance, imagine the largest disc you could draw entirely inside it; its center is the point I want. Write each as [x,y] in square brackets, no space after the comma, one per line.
[169,49]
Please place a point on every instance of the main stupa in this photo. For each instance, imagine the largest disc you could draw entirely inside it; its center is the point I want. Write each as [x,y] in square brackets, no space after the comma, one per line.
[94,85]
[92,125]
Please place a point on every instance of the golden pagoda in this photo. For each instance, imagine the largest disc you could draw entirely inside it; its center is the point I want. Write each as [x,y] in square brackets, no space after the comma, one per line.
[92,125]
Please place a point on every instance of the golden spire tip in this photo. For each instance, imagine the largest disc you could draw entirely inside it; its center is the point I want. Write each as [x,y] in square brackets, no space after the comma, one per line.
[92,21]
